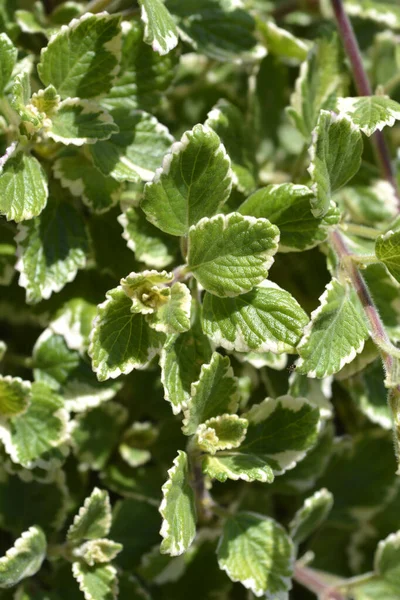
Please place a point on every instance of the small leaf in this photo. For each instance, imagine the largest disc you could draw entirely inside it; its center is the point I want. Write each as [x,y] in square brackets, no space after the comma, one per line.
[229,255]
[194,182]
[370,113]
[281,42]
[229,124]
[96,583]
[287,206]
[215,393]
[387,249]
[335,335]
[159,27]
[82,179]
[181,360]
[121,341]
[178,509]
[24,559]
[97,551]
[335,158]
[82,58]
[147,290]
[279,434]
[256,551]
[224,432]
[74,321]
[31,119]
[80,122]
[266,319]
[8,58]
[42,427]
[386,13]
[136,151]
[310,516]
[150,245]
[23,188]
[15,395]
[319,83]
[93,519]
[174,315]
[51,248]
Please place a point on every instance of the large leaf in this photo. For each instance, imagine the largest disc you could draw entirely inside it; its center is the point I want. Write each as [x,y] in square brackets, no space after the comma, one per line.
[23,188]
[215,393]
[335,158]
[178,509]
[135,152]
[51,248]
[279,434]
[257,551]
[370,113]
[229,255]
[287,206]
[266,319]
[336,333]
[81,60]
[121,340]
[160,29]
[194,181]
[80,122]
[24,559]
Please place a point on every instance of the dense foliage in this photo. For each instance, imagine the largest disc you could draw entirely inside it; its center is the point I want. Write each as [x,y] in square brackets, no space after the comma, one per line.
[199,301]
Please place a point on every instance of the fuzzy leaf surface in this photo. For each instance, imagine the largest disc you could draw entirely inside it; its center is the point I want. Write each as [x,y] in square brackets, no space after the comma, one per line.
[370,113]
[24,559]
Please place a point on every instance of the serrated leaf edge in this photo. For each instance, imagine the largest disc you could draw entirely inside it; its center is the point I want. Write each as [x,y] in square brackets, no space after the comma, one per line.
[96,493]
[80,578]
[207,428]
[322,494]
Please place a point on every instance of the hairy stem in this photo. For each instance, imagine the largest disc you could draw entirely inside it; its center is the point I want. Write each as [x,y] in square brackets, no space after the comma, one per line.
[363,88]
[311,580]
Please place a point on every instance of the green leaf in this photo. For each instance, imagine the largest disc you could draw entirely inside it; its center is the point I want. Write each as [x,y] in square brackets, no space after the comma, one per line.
[74,321]
[310,516]
[266,319]
[228,123]
[150,245]
[98,551]
[135,443]
[229,255]
[107,420]
[224,432]
[181,360]
[370,113]
[281,42]
[257,551]
[136,151]
[82,179]
[287,206]
[178,509]
[80,122]
[96,583]
[144,75]
[387,249]
[384,581]
[220,29]
[81,60]
[42,427]
[23,188]
[319,83]
[159,27]
[8,58]
[147,290]
[279,434]
[336,333]
[15,396]
[24,559]
[51,249]
[174,315]
[93,519]
[335,158]
[121,341]
[385,12]
[369,204]
[20,100]
[215,393]
[194,182]
[7,253]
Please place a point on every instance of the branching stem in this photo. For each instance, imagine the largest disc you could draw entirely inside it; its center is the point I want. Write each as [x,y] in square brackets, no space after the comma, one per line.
[311,580]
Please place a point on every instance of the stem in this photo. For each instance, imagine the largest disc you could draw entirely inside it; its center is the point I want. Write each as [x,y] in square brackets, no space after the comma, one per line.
[361,230]
[96,6]
[363,88]
[311,580]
